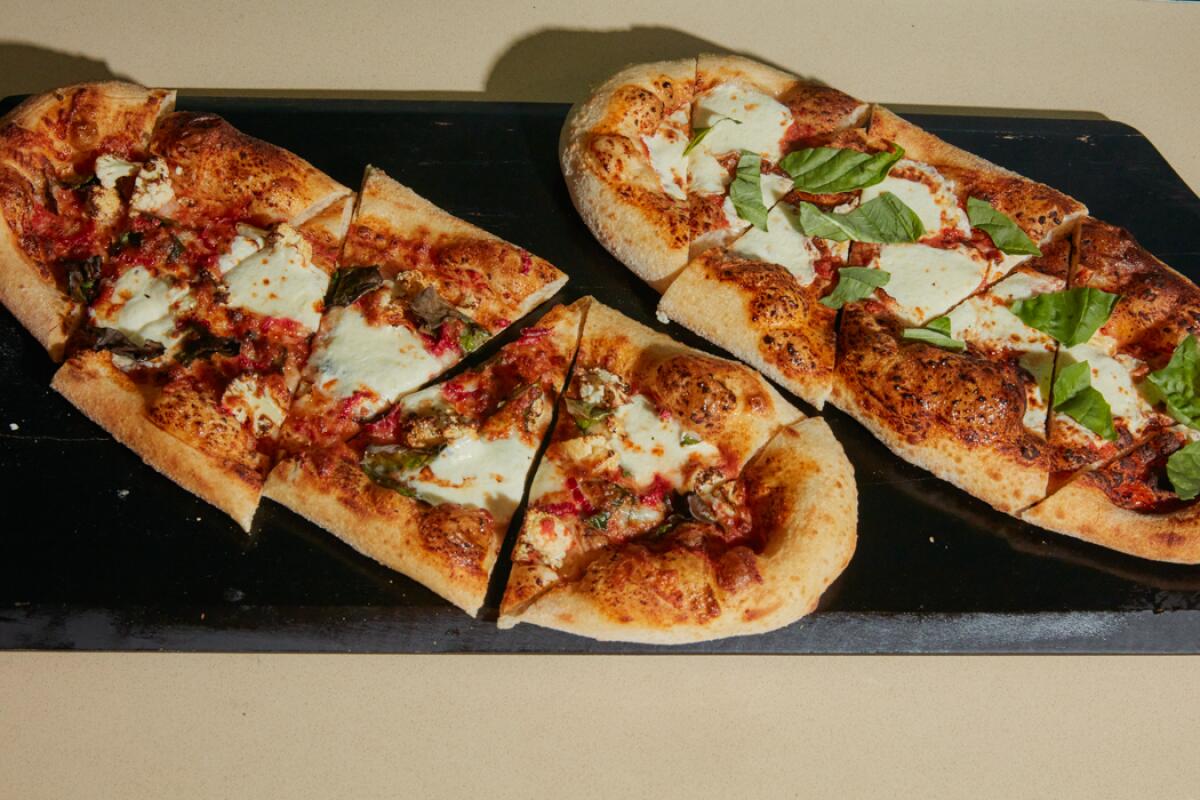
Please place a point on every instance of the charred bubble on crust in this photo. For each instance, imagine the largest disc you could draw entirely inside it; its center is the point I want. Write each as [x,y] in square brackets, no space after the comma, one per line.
[1137,481]
[818,110]
[914,387]
[459,535]
[696,388]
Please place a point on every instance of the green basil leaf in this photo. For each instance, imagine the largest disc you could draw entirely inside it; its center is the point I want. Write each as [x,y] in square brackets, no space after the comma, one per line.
[699,133]
[350,283]
[1178,383]
[1183,470]
[585,414]
[936,333]
[473,337]
[1070,316]
[1005,234]
[746,190]
[830,170]
[688,440]
[177,249]
[885,219]
[599,521]
[855,283]
[1075,396]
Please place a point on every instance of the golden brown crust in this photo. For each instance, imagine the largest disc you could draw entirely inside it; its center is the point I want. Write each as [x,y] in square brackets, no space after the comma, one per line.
[331,491]
[217,169]
[801,492]
[113,401]
[609,175]
[761,314]
[398,230]
[956,414]
[36,301]
[1042,212]
[326,231]
[1127,505]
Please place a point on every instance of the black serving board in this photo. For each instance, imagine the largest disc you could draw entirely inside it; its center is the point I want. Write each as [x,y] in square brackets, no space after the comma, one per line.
[100,552]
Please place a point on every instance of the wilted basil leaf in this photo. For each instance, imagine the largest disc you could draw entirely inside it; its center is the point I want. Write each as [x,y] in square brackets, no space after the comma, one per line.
[1183,470]
[1005,234]
[585,414]
[390,465]
[746,190]
[855,283]
[177,249]
[1178,383]
[200,343]
[1075,396]
[83,278]
[688,440]
[119,344]
[599,521]
[472,337]
[1070,316]
[350,283]
[830,170]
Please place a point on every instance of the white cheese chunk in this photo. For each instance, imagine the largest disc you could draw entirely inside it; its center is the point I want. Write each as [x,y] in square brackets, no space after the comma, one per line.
[548,536]
[352,355]
[783,243]
[152,190]
[110,169]
[665,148]
[1112,376]
[427,401]
[764,123]
[479,472]
[926,281]
[280,280]
[986,319]
[548,478]
[144,307]
[249,398]
[248,241]
[1039,364]
[932,198]
[648,445]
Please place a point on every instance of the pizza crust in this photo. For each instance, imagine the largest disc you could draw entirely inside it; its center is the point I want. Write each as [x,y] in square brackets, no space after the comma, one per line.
[114,402]
[630,214]
[1084,512]
[763,317]
[805,497]
[45,311]
[379,523]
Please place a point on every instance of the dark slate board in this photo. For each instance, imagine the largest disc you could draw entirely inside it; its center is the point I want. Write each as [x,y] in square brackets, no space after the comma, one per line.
[117,557]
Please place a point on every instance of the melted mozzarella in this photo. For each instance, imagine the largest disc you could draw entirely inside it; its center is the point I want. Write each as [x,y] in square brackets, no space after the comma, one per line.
[144,307]
[926,281]
[764,122]
[110,169]
[352,355]
[547,535]
[648,445]
[472,471]
[783,243]
[548,478]
[280,280]
[987,320]
[665,148]
[932,198]
[1112,376]
[248,241]
[427,401]
[1039,364]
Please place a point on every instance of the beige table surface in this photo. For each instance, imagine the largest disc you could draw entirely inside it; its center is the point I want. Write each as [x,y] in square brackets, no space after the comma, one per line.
[101,725]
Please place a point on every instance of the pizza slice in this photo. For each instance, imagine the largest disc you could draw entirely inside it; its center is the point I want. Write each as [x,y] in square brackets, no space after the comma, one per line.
[623,155]
[679,499]
[428,488]
[58,216]
[200,315]
[966,395]
[418,290]
[744,109]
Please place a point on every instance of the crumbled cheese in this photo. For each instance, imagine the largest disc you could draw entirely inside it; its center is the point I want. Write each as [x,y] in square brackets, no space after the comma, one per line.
[110,169]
